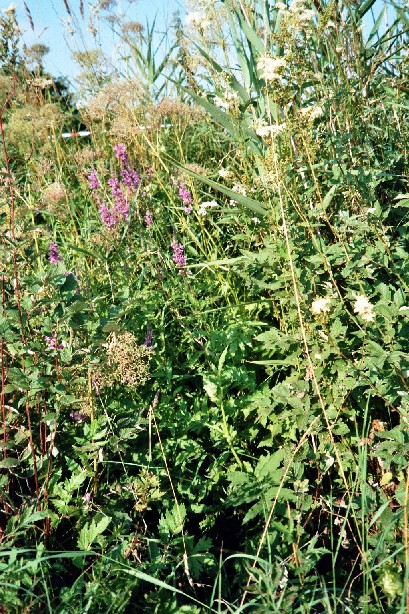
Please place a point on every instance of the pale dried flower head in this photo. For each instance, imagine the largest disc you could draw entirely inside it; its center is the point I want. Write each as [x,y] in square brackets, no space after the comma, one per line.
[127,359]
[56,192]
[312,112]
[117,98]
[132,27]
[364,308]
[87,156]
[176,110]
[196,19]
[40,83]
[54,199]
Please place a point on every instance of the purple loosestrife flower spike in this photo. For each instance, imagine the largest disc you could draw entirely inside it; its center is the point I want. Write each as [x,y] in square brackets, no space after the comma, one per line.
[178,254]
[109,217]
[121,153]
[93,180]
[185,195]
[129,176]
[55,255]
[149,337]
[52,342]
[148,219]
[179,257]
[121,205]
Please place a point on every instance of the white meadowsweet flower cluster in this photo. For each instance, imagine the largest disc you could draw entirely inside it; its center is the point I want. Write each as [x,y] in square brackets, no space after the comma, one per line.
[320,306]
[224,173]
[297,17]
[270,131]
[271,69]
[364,308]
[312,112]
[228,102]
[240,189]
[205,206]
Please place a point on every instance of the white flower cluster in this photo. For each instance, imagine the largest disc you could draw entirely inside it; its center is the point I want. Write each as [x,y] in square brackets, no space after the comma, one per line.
[320,306]
[312,112]
[240,189]
[224,173]
[228,102]
[271,69]
[364,308]
[297,16]
[270,131]
[205,206]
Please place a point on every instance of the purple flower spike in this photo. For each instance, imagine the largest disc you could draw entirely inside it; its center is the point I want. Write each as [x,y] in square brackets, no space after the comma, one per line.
[178,254]
[179,257]
[52,342]
[109,217]
[55,255]
[121,204]
[121,153]
[93,180]
[149,337]
[148,219]
[130,178]
[185,195]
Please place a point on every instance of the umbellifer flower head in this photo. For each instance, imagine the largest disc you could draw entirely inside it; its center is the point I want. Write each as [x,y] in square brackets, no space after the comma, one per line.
[364,308]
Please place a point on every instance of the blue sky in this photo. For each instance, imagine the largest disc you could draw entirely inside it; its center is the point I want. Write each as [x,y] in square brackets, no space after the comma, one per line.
[51,25]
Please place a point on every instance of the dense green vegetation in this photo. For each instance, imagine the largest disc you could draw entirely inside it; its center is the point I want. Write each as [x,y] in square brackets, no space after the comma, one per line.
[204,316]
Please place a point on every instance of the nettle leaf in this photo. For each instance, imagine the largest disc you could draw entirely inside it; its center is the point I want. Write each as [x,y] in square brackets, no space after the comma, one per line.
[262,403]
[75,481]
[377,353]
[65,509]
[210,388]
[268,466]
[198,554]
[238,478]
[338,329]
[18,378]
[173,521]
[91,531]
[263,505]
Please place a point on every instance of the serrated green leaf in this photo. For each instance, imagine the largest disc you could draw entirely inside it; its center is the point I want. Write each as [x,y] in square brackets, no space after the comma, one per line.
[91,531]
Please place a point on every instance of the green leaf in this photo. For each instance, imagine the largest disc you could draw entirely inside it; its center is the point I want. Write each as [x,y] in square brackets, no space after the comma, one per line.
[91,531]
[174,519]
[9,463]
